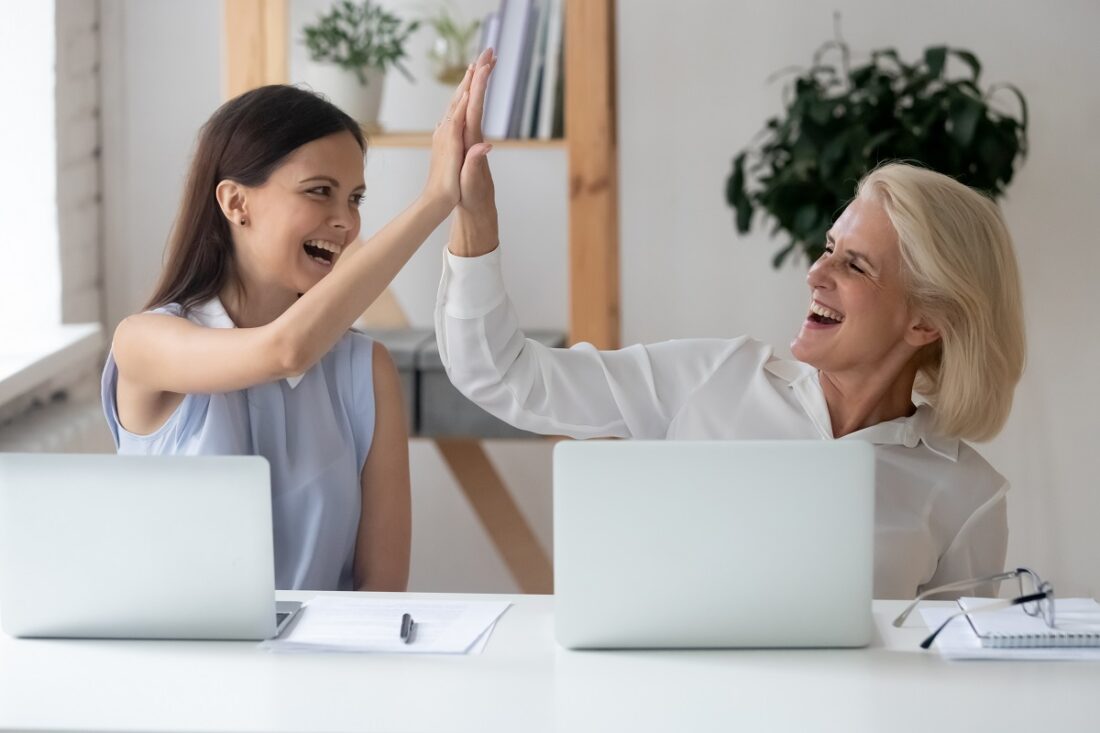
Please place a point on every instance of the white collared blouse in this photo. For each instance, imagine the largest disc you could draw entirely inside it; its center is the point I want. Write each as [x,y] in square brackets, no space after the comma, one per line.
[939,506]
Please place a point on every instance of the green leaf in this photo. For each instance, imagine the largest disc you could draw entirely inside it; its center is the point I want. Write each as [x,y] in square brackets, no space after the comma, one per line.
[832,154]
[861,74]
[744,215]
[996,157]
[735,183]
[821,111]
[876,142]
[935,58]
[1019,97]
[966,112]
[970,60]
[805,219]
[737,196]
[892,55]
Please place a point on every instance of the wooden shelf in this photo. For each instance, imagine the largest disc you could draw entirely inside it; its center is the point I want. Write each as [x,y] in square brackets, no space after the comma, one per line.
[424,140]
[256,41]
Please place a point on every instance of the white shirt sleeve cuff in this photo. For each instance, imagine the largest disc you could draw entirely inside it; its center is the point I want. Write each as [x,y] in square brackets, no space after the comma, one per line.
[474,285]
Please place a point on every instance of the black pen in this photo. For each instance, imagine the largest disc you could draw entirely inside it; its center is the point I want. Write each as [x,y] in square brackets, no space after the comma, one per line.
[407,627]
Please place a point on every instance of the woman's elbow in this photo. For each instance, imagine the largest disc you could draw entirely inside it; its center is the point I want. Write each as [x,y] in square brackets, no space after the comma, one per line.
[286,352]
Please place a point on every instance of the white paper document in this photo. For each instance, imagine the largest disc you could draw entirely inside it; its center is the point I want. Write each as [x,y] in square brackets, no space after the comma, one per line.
[340,624]
[958,641]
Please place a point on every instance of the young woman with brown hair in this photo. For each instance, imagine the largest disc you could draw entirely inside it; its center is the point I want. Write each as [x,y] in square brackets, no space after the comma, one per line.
[245,346]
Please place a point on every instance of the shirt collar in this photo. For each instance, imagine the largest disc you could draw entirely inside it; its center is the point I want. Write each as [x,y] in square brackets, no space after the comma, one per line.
[909,431]
[213,314]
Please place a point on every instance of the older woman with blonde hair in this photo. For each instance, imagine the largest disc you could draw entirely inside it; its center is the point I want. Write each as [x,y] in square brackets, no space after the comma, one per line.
[913,341]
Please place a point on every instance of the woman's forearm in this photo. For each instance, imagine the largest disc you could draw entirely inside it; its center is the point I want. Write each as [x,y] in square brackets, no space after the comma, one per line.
[520,381]
[310,327]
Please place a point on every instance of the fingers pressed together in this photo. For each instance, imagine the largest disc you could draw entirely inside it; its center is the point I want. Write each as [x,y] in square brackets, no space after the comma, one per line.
[467,106]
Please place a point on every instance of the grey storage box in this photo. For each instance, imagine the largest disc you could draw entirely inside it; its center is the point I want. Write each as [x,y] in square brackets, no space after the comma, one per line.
[434,407]
[445,412]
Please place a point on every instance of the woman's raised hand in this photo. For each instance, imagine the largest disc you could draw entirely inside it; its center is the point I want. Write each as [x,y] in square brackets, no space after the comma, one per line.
[449,149]
[475,227]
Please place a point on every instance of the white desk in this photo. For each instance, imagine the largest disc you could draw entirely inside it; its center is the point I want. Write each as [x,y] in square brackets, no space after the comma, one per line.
[525,682]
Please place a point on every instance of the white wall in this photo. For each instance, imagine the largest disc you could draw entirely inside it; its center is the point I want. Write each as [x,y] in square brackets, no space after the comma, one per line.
[691,94]
[161,79]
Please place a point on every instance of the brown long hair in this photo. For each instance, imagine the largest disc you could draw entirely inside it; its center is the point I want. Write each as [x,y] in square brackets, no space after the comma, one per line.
[244,141]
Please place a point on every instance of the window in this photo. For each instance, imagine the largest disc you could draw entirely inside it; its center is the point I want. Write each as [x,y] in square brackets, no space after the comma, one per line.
[48,53]
[30,276]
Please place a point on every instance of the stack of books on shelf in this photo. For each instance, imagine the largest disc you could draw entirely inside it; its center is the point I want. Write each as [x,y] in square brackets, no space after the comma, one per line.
[524,99]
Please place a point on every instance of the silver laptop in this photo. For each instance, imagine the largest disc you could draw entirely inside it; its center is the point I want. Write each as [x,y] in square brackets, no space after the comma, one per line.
[164,547]
[713,544]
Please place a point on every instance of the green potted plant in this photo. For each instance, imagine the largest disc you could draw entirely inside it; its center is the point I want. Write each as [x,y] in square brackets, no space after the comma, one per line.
[841,121]
[351,47]
[451,52]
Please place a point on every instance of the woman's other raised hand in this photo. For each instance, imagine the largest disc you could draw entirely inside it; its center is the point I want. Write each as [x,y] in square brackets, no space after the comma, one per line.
[475,227]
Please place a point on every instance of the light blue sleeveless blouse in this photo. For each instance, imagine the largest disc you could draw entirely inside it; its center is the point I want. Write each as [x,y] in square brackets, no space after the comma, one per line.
[315,430]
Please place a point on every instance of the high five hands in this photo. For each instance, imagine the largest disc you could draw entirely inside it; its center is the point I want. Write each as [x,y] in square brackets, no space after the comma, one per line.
[459,174]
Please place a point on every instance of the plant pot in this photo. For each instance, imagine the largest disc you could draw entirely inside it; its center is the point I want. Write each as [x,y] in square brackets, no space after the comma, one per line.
[343,89]
[449,57]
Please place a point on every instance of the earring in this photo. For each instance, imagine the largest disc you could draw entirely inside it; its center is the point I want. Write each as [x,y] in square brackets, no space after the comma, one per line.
[244,222]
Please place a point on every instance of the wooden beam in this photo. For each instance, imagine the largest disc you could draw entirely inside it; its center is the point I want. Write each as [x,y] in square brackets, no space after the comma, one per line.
[385,312]
[499,514]
[255,37]
[590,133]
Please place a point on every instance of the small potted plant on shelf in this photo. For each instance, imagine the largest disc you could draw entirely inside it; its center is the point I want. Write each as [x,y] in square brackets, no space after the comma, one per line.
[451,52]
[842,120]
[352,46]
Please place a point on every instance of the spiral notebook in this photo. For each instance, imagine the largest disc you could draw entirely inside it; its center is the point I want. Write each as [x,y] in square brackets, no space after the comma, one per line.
[1077,621]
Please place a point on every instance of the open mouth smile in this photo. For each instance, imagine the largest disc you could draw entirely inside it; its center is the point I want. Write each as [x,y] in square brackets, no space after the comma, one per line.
[823,316]
[322,251]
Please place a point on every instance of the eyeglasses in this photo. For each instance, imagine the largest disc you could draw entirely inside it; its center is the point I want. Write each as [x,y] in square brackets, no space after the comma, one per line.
[1036,597]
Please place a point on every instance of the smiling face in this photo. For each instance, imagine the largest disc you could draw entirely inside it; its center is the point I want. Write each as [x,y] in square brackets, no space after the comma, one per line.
[303,217]
[859,319]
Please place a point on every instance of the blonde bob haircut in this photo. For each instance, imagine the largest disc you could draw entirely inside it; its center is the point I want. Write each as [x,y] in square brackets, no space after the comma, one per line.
[961,275]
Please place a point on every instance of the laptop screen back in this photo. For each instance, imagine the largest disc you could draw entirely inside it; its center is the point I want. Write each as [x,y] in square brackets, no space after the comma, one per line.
[713,544]
[136,546]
